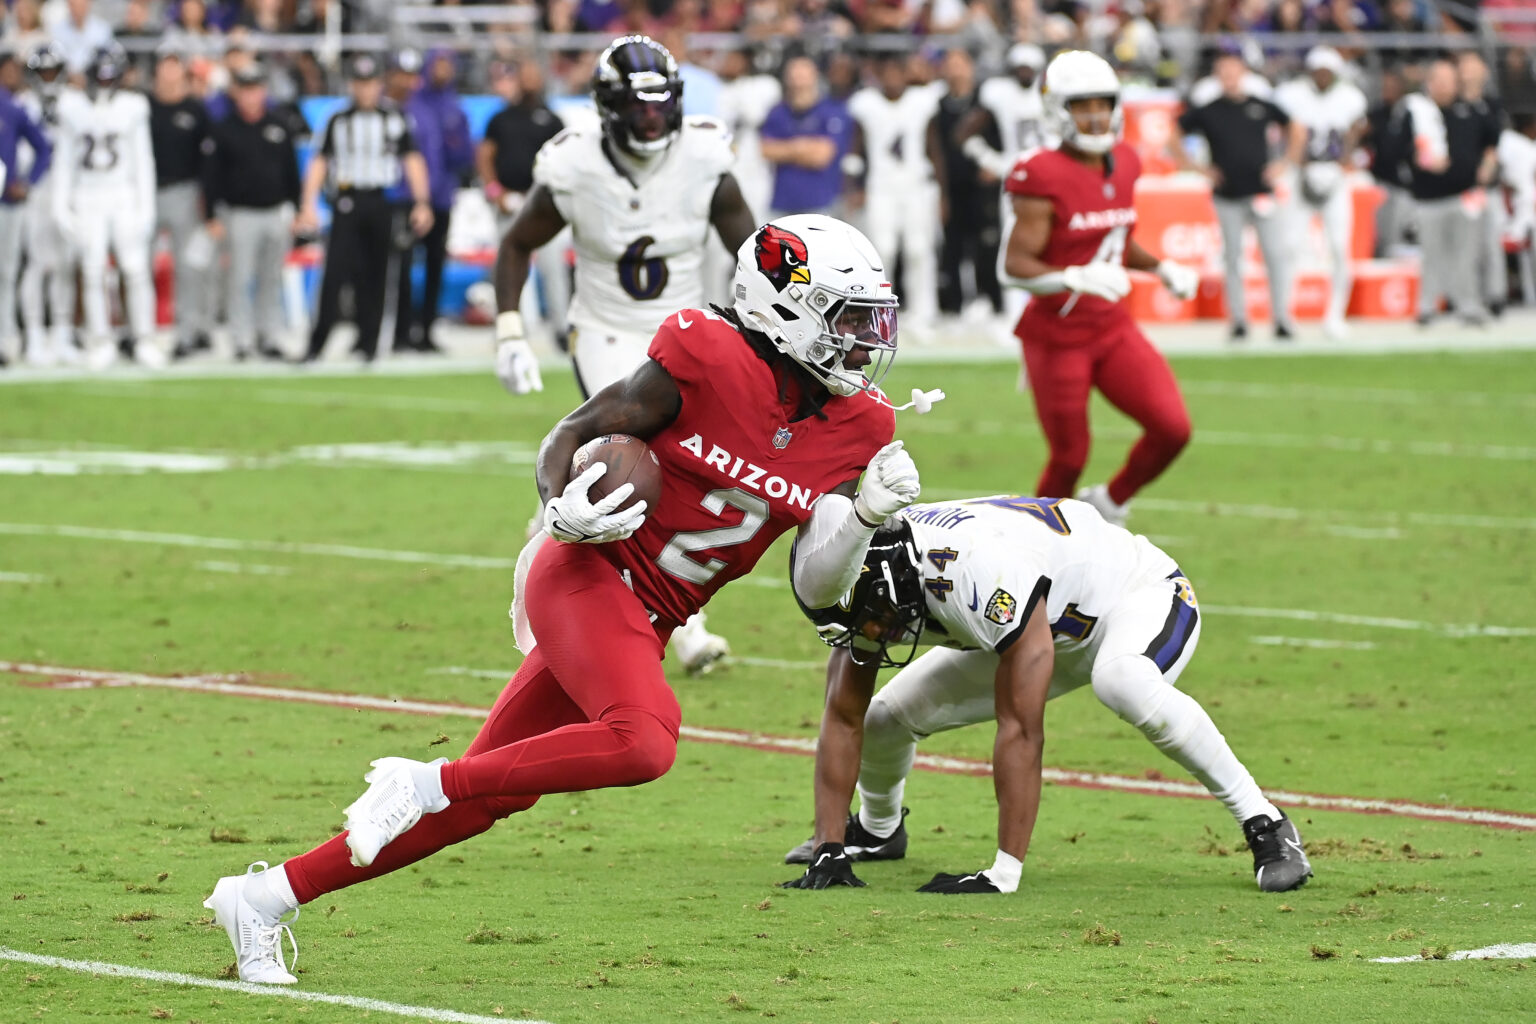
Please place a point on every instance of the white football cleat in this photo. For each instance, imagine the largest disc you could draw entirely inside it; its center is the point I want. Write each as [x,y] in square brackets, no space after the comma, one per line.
[257,938]
[1336,328]
[149,355]
[1098,497]
[101,357]
[697,648]
[400,791]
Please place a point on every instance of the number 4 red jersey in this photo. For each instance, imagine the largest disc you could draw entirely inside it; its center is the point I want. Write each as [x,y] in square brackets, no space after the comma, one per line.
[736,472]
[1092,216]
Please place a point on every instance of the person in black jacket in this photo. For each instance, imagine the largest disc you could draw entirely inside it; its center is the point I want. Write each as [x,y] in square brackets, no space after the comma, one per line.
[1387,140]
[251,178]
[1454,155]
[968,207]
[178,125]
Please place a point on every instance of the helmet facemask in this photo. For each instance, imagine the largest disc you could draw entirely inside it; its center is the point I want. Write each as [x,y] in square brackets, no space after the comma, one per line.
[647,113]
[885,608]
[1101,142]
[856,348]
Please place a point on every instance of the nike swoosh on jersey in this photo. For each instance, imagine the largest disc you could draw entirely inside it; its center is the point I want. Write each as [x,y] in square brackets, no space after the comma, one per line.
[683,322]
[975,600]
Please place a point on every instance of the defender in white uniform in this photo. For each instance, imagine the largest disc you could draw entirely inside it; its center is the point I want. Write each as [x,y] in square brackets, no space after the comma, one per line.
[48,254]
[1332,111]
[641,194]
[901,199]
[1030,598]
[1012,103]
[104,200]
[745,100]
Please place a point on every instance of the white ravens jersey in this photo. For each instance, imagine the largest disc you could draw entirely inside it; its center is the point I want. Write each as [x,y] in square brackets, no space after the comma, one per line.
[104,144]
[639,244]
[895,136]
[1327,116]
[1019,114]
[986,562]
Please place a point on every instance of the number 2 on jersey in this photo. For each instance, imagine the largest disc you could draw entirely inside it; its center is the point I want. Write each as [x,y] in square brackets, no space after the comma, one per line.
[674,557]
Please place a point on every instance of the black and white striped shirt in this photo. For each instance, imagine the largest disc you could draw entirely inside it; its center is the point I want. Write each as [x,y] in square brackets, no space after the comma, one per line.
[364,147]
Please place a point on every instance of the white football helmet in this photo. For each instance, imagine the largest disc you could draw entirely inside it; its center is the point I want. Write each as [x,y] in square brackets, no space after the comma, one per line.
[1079,75]
[816,287]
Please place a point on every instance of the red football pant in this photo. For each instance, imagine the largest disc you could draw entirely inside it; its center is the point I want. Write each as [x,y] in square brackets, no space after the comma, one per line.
[1136,379]
[589,708]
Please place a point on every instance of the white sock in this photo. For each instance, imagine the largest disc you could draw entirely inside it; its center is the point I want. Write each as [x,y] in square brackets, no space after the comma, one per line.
[1006,871]
[430,783]
[270,892]
[880,813]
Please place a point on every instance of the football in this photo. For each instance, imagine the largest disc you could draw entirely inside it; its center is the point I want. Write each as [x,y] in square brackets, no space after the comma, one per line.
[629,461]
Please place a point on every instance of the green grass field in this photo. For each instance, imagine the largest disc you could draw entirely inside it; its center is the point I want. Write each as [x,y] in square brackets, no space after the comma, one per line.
[1359,531]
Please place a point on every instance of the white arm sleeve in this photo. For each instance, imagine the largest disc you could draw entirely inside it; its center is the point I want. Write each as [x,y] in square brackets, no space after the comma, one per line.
[829,552]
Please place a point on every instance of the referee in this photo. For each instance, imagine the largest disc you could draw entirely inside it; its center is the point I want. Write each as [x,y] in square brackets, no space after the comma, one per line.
[364,150]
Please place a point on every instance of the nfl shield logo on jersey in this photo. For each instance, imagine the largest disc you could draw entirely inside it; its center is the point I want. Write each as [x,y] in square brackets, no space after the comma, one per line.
[781,437]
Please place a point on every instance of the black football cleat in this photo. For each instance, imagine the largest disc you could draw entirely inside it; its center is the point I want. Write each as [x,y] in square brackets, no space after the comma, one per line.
[1279,862]
[860,843]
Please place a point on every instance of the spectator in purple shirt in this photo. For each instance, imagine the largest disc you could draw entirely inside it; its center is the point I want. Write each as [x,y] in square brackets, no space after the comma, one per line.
[805,139]
[442,135]
[15,124]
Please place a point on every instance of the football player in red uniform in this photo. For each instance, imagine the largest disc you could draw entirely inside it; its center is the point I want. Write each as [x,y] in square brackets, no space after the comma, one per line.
[1069,246]
[763,417]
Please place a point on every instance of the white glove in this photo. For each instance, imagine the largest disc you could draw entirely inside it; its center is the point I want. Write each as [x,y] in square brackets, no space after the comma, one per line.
[1108,281]
[890,485]
[516,364]
[1182,281]
[574,519]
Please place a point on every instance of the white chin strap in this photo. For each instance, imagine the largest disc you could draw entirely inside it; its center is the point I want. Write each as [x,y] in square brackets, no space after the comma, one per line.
[1094,143]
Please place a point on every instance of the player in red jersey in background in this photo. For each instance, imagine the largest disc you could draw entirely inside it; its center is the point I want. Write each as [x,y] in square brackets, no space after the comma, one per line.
[1069,245]
[763,417]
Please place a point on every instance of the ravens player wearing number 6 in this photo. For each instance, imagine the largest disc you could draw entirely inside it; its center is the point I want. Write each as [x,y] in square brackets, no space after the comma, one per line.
[641,195]
[1068,229]
[1026,599]
[763,417]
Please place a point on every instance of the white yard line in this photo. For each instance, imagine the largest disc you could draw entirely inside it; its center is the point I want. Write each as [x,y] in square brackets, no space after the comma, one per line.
[1317,643]
[1288,513]
[73,678]
[248,568]
[186,540]
[1498,951]
[22,577]
[1352,395]
[98,967]
[484,562]
[1451,629]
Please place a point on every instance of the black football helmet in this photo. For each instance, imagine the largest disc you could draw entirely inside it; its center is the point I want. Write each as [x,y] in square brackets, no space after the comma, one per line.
[108,66]
[886,606]
[47,60]
[639,95]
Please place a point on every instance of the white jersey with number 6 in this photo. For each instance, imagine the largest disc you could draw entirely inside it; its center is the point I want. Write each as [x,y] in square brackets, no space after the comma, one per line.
[639,242]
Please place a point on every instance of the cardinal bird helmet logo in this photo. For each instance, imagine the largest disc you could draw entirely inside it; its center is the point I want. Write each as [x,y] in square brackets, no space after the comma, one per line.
[781,256]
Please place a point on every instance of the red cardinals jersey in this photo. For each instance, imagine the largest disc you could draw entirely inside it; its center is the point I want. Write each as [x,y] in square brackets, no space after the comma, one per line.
[736,472]
[1093,216]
